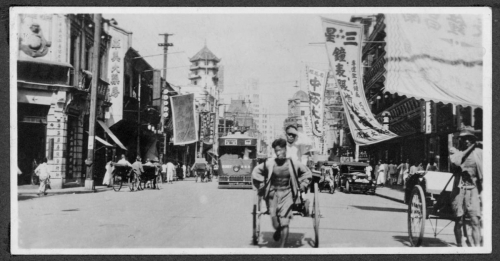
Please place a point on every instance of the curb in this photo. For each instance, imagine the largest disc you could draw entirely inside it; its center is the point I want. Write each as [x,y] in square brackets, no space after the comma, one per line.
[390,198]
[61,192]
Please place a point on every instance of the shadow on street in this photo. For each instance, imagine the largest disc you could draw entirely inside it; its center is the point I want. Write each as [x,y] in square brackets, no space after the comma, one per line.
[294,240]
[426,241]
[402,210]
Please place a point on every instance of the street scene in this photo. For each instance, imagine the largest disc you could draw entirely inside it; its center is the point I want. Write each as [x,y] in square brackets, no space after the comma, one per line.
[239,131]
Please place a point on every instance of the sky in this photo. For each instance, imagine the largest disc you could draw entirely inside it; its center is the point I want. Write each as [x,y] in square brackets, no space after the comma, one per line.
[272,48]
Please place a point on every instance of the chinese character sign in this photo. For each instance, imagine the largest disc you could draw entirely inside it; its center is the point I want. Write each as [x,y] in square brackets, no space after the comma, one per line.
[116,72]
[207,127]
[436,57]
[316,81]
[306,124]
[183,118]
[343,44]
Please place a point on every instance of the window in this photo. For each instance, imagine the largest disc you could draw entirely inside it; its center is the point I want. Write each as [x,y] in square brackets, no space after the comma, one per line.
[195,82]
[302,113]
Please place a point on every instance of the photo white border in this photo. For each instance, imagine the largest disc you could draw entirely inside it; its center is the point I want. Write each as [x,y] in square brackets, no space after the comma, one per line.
[487,126]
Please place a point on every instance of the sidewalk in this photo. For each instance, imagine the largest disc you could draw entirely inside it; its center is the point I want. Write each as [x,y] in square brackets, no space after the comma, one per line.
[33,190]
[395,193]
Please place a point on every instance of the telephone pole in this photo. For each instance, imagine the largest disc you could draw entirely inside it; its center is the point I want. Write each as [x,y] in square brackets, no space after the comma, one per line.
[165,45]
[89,180]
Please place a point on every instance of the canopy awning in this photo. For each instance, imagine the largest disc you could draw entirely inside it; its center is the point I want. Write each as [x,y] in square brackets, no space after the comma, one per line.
[110,133]
[105,143]
[435,57]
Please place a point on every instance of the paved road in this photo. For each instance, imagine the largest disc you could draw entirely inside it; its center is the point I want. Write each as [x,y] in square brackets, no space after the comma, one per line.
[193,215]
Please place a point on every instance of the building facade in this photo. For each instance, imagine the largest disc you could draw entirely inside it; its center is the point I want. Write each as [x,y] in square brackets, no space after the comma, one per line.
[53,85]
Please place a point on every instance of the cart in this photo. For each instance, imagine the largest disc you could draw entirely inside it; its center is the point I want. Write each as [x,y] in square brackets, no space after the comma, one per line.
[200,169]
[151,174]
[428,195]
[300,209]
[123,172]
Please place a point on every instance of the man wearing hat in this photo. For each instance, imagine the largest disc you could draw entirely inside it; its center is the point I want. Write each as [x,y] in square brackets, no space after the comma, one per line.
[467,186]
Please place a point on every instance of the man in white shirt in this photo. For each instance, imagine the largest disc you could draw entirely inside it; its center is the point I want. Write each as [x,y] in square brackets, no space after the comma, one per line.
[381,173]
[42,171]
[124,161]
[170,172]
[368,171]
[297,144]
[183,171]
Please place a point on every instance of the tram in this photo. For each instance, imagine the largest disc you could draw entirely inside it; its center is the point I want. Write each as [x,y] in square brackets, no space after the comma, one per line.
[237,158]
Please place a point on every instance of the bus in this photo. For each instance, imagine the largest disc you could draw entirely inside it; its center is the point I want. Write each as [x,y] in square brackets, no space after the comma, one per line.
[237,158]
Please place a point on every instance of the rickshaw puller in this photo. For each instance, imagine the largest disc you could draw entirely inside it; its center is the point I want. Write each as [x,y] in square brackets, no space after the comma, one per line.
[280,188]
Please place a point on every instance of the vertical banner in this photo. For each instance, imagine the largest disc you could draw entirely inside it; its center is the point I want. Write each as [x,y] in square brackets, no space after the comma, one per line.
[306,124]
[183,118]
[207,127]
[343,46]
[316,80]
[116,68]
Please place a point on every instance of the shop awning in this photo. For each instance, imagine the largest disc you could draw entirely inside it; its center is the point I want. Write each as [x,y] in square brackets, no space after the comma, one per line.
[435,57]
[103,142]
[113,137]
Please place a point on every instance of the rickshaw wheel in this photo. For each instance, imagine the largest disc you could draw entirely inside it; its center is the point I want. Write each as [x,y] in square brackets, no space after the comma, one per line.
[316,216]
[256,220]
[158,182]
[117,182]
[416,216]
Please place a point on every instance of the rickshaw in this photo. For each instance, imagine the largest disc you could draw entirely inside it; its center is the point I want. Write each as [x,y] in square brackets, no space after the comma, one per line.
[324,169]
[151,173]
[200,168]
[298,209]
[123,172]
[428,195]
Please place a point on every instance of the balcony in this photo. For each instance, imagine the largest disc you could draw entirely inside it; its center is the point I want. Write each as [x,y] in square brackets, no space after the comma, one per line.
[193,76]
[202,66]
[376,71]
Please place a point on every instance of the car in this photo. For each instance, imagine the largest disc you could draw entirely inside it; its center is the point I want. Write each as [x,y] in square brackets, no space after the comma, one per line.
[354,179]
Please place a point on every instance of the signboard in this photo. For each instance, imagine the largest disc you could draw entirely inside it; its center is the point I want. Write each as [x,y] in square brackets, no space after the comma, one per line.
[316,80]
[116,70]
[237,142]
[306,125]
[343,45]
[183,118]
[207,127]
[43,36]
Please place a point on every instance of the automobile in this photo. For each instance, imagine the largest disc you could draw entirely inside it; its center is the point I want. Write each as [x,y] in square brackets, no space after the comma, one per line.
[354,179]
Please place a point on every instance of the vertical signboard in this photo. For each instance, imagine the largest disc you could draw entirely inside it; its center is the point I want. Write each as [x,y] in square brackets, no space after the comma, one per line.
[316,80]
[343,45]
[183,118]
[116,69]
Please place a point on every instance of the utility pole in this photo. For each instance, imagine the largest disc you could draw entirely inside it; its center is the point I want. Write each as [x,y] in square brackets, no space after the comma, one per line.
[165,45]
[89,181]
[139,116]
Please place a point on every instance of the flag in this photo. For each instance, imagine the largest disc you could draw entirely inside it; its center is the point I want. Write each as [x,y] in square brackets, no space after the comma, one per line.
[344,46]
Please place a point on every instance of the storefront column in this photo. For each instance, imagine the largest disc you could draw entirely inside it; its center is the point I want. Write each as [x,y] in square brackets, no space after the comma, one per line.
[56,141]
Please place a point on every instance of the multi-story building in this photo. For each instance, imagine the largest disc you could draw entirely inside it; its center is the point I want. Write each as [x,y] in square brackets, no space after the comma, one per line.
[54,64]
[425,128]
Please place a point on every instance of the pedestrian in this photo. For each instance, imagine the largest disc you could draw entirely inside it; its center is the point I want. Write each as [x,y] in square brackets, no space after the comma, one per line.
[170,172]
[375,171]
[164,171]
[368,171]
[138,170]
[467,187]
[183,171]
[42,171]
[403,170]
[381,173]
[420,167]
[123,161]
[108,177]
[281,187]
[392,170]
[432,166]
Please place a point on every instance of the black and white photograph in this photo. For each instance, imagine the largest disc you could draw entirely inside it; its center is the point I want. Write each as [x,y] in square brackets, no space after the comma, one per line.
[245,130]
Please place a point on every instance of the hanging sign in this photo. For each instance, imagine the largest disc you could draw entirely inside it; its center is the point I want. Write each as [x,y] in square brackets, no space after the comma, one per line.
[343,44]
[316,81]
[183,118]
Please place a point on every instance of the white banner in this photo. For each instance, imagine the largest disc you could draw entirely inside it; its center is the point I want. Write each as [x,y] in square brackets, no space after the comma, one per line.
[343,44]
[316,80]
